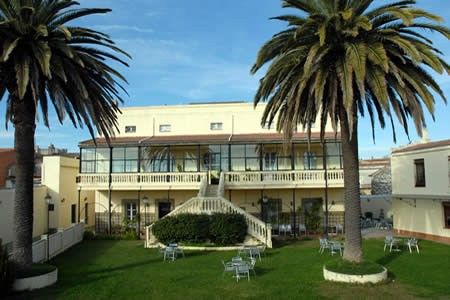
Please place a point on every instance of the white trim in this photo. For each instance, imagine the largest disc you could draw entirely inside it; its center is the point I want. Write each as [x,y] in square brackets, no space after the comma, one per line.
[339,277]
[37,282]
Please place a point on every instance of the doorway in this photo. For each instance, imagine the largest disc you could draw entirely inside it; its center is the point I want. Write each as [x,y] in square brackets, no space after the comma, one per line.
[163,209]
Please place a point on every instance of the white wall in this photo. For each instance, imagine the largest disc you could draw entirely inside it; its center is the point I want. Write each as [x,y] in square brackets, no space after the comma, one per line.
[420,215]
[436,172]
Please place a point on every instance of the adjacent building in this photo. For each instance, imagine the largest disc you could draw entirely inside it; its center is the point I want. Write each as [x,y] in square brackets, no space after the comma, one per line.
[162,154]
[376,187]
[421,190]
[57,203]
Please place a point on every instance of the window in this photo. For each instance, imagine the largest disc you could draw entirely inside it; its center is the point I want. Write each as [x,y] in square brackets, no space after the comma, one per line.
[165,128]
[216,126]
[74,213]
[95,160]
[131,211]
[125,160]
[130,129]
[446,207]
[420,172]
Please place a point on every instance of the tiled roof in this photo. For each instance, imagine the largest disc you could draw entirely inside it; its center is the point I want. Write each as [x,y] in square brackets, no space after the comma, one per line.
[203,139]
[423,146]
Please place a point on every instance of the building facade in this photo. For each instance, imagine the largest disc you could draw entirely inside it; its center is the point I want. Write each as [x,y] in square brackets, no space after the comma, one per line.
[421,190]
[161,155]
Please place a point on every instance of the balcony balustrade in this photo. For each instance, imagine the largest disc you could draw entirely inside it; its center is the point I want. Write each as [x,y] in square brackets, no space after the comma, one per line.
[235,180]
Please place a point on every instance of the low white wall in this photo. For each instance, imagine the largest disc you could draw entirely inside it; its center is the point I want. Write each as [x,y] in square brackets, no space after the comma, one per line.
[58,242]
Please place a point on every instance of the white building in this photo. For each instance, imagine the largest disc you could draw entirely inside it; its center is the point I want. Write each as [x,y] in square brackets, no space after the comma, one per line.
[421,190]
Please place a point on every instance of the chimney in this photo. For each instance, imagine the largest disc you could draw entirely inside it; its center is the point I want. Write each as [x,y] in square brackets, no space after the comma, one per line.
[425,137]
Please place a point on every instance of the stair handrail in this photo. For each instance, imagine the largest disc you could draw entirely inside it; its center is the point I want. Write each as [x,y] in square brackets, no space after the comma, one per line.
[221,189]
[203,187]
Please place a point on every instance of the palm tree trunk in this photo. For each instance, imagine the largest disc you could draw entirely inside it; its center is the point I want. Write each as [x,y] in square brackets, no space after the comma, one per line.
[352,249]
[24,123]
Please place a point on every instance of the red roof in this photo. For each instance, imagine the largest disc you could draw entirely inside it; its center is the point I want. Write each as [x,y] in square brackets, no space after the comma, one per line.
[204,139]
[423,146]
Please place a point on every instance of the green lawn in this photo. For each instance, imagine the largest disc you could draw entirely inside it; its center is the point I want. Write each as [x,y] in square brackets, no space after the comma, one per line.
[125,270]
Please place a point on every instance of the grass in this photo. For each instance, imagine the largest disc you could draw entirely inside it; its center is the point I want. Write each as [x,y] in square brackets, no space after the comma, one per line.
[364,268]
[36,270]
[125,270]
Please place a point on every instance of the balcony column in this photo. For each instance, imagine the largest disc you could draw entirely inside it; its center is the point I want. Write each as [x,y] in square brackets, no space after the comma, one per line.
[324,151]
[109,192]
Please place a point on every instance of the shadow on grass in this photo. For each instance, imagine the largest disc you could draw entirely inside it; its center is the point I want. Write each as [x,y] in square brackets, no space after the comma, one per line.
[387,259]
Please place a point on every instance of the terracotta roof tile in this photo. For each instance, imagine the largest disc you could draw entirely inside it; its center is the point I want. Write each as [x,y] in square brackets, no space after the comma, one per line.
[199,139]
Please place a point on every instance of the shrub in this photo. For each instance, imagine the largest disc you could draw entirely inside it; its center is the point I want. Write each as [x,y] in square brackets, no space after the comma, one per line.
[227,229]
[130,235]
[222,229]
[6,271]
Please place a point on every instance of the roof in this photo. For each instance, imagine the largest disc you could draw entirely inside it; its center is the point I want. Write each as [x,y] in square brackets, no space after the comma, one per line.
[375,162]
[422,146]
[6,149]
[204,139]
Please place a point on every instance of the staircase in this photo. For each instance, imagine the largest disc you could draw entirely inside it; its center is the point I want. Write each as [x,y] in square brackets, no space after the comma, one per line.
[211,191]
[208,202]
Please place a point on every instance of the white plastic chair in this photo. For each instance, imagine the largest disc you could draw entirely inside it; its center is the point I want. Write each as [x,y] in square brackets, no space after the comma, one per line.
[227,267]
[242,269]
[412,243]
[336,247]
[324,244]
[339,227]
[301,228]
[251,265]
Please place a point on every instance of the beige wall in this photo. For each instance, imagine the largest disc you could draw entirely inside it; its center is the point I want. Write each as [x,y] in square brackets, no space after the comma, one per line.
[119,197]
[436,172]
[237,118]
[7,213]
[247,199]
[420,215]
[59,176]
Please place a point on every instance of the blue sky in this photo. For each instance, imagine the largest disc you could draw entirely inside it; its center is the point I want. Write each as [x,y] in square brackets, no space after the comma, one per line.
[202,50]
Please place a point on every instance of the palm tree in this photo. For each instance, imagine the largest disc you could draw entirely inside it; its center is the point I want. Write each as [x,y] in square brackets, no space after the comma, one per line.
[341,59]
[46,61]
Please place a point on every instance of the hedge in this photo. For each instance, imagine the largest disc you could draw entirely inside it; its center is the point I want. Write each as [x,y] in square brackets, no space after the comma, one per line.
[221,229]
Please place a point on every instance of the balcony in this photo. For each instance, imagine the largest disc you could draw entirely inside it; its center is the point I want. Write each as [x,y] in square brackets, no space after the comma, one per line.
[233,180]
[133,181]
[284,179]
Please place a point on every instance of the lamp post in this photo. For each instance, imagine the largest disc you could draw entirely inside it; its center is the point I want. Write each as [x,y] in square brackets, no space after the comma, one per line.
[146,202]
[50,207]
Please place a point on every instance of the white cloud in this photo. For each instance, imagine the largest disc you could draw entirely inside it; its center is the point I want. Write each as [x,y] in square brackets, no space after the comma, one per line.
[123,28]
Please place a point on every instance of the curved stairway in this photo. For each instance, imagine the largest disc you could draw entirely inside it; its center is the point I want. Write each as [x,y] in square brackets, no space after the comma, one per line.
[210,200]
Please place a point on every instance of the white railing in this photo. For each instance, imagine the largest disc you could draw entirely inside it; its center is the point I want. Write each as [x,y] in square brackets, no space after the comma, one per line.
[132,180]
[57,243]
[256,228]
[297,178]
[93,179]
[309,178]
